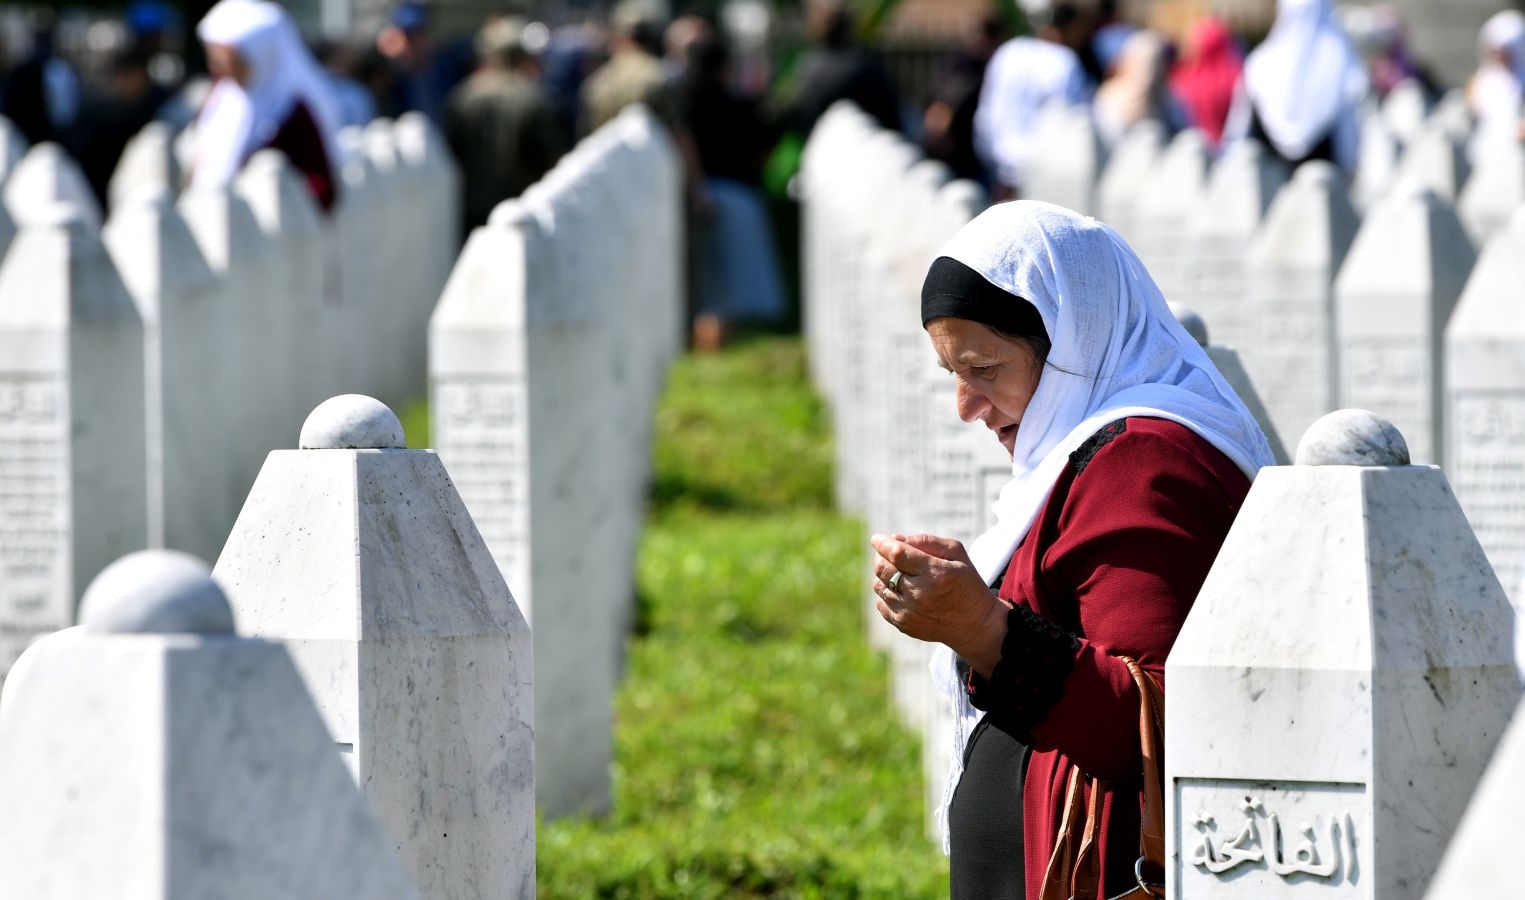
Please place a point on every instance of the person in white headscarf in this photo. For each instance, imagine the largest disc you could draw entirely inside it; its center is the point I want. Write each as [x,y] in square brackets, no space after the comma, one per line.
[1130,458]
[1026,75]
[1497,90]
[269,92]
[1302,88]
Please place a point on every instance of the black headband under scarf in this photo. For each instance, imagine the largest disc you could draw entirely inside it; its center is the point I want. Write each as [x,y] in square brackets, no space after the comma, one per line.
[953,289]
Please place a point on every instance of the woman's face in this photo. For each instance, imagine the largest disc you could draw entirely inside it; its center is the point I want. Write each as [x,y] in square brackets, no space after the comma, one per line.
[225,62]
[996,375]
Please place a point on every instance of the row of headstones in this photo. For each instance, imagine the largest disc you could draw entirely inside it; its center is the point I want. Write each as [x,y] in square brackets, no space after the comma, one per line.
[1379,653]
[547,352]
[1393,310]
[147,364]
[904,460]
[365,731]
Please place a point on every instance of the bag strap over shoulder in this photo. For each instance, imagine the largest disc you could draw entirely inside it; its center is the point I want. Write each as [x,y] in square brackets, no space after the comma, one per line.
[1151,730]
[1074,869]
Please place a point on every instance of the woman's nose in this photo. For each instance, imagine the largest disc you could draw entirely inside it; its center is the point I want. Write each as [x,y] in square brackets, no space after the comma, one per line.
[971,403]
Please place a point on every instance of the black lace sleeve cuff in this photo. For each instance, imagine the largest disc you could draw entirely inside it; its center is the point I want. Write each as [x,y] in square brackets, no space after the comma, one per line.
[1036,659]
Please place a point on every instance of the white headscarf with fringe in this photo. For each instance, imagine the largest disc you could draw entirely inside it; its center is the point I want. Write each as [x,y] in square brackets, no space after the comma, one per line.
[1117,352]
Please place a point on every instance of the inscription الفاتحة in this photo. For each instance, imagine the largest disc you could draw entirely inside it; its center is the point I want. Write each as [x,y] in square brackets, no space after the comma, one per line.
[1250,847]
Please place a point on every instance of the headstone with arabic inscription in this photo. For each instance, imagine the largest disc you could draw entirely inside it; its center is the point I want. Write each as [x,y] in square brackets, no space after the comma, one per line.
[73,469]
[1393,298]
[1340,682]
[1485,405]
[358,554]
[1291,267]
[1214,280]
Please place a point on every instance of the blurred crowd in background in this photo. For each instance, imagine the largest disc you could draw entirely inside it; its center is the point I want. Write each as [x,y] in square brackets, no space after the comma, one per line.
[740,84]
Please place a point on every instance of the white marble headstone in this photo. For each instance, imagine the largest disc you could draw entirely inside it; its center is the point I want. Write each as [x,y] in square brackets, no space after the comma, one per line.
[1170,192]
[1069,160]
[1134,163]
[47,177]
[1485,404]
[72,458]
[1232,370]
[147,164]
[1290,269]
[1219,230]
[158,755]
[1393,298]
[187,326]
[1481,860]
[1340,683]
[360,557]
[1436,161]
[1495,189]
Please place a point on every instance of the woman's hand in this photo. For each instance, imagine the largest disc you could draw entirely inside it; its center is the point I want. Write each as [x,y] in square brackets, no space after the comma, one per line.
[939,597]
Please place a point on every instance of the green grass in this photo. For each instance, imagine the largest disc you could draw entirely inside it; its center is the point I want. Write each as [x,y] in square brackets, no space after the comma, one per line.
[755,751]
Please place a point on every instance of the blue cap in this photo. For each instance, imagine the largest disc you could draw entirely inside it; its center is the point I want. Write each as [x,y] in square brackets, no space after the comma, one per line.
[149,17]
[410,16]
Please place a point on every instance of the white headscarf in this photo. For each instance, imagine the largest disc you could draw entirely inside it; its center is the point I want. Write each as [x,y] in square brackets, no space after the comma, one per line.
[1497,90]
[1304,77]
[1117,352]
[1025,75]
[238,120]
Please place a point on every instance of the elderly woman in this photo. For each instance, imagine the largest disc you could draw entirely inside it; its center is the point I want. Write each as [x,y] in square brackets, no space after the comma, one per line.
[269,92]
[1130,457]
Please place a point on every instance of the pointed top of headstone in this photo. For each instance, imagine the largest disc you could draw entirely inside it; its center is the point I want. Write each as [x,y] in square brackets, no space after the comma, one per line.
[155,592]
[1193,323]
[45,177]
[1318,171]
[352,422]
[1352,437]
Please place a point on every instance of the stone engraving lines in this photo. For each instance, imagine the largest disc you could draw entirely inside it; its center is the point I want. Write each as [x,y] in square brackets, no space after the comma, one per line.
[1246,839]
[1488,471]
[33,508]
[481,432]
[1250,846]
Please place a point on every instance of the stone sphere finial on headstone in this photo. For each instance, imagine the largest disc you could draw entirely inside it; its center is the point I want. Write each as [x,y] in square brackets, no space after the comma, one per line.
[1193,323]
[352,422]
[1352,437]
[155,592]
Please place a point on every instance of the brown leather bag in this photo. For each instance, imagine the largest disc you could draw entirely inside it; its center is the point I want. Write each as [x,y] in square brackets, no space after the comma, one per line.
[1074,871]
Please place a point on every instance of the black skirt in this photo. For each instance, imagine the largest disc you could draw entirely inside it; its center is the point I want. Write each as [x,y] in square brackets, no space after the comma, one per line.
[985,817]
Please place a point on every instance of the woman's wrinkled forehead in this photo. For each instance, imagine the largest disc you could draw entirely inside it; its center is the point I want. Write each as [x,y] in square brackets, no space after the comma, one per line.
[1054,258]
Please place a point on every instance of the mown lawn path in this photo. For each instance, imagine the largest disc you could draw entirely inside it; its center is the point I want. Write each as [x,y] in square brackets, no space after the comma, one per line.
[755,750]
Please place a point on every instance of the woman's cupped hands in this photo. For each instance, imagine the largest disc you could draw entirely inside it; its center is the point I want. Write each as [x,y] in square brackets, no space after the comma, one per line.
[938,596]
